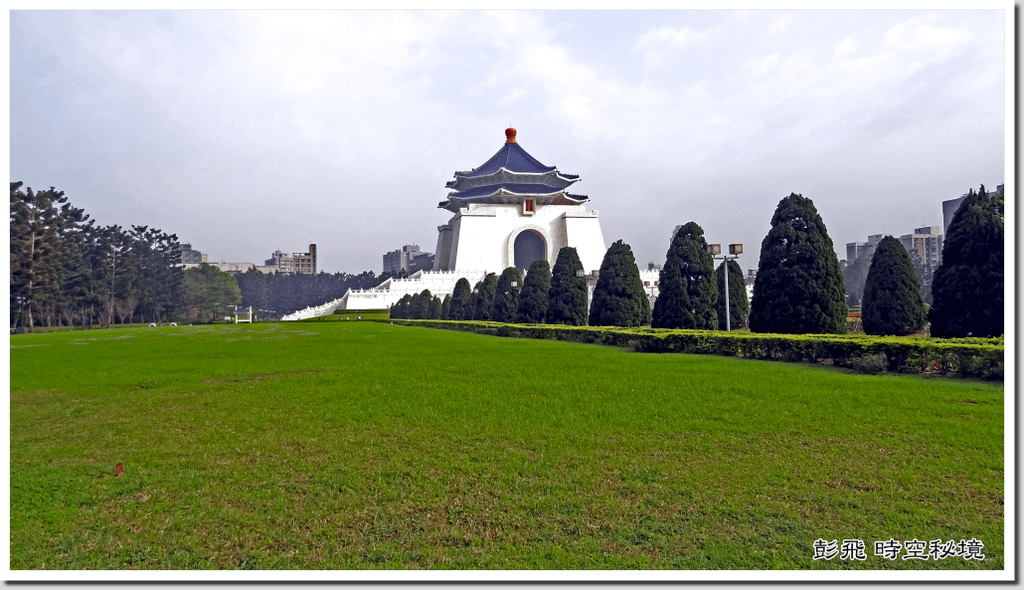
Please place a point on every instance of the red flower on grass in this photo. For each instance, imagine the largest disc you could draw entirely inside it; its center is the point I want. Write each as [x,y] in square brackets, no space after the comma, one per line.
[119,469]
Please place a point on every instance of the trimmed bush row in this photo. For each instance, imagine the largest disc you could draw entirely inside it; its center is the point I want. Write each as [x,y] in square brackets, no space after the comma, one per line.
[961,357]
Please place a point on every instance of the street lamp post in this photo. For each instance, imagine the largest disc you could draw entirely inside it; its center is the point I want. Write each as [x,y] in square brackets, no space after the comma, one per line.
[734,252]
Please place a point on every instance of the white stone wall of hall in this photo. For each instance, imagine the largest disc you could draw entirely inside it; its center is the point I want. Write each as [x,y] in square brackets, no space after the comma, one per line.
[483,236]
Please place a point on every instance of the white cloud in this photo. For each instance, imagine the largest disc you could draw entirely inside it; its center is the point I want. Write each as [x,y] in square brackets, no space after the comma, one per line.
[847,46]
[780,24]
[759,66]
[662,45]
[310,124]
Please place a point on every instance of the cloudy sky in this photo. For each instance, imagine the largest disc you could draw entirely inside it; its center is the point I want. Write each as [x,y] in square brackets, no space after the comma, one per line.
[245,132]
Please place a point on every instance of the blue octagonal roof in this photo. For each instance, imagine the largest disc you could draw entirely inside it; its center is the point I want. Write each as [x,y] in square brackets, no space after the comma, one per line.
[510,170]
[512,157]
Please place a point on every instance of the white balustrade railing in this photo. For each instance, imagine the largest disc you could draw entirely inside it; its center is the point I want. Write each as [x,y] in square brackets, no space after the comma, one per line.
[440,281]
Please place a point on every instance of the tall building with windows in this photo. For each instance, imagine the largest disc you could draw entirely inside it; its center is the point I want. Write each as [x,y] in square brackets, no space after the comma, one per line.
[408,258]
[295,263]
[927,243]
[855,250]
[949,207]
[190,256]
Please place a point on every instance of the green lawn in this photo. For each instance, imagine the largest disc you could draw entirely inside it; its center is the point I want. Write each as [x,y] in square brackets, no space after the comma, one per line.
[346,444]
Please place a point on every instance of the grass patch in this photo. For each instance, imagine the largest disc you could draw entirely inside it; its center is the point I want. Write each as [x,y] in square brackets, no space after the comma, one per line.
[341,445]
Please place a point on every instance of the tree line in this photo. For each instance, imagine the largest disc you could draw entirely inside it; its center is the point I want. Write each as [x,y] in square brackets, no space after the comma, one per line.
[966,288]
[799,289]
[276,295]
[66,270]
[554,296]
[559,295]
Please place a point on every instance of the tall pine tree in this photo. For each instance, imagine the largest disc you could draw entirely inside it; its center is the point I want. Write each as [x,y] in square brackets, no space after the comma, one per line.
[481,303]
[967,288]
[402,308]
[434,308]
[799,287]
[35,250]
[533,300]
[567,298]
[686,284]
[619,297]
[506,295]
[892,295]
[446,305]
[421,305]
[458,308]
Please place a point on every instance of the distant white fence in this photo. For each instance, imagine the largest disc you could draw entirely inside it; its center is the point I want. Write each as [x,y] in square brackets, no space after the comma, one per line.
[439,283]
[383,296]
[313,312]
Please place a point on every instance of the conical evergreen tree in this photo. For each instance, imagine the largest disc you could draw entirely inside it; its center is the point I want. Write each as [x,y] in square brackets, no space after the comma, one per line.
[967,289]
[400,310]
[421,305]
[739,306]
[481,303]
[506,296]
[446,306]
[619,297]
[686,286]
[533,300]
[799,287]
[892,295]
[434,308]
[460,300]
[567,298]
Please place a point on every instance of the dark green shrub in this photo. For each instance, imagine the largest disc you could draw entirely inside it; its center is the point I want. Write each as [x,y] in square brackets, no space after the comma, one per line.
[434,309]
[619,297]
[533,299]
[401,308]
[799,287]
[446,307]
[892,294]
[420,308]
[460,299]
[966,357]
[481,302]
[506,296]
[967,290]
[871,364]
[686,284]
[567,298]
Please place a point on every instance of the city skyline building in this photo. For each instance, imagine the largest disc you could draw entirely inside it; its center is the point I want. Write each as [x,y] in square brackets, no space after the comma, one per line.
[408,258]
[949,207]
[296,263]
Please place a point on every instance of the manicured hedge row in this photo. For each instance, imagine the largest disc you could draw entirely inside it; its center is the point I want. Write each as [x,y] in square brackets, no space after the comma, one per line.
[963,357]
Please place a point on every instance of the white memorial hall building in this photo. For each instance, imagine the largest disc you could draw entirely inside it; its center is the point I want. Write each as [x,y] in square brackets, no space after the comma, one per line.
[509,211]
[512,210]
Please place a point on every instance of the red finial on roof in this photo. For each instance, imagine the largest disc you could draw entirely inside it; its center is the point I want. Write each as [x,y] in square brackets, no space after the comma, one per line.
[510,135]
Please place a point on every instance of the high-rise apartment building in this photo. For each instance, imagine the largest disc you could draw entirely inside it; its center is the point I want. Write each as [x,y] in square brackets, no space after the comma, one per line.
[190,256]
[408,258]
[855,250]
[927,243]
[295,263]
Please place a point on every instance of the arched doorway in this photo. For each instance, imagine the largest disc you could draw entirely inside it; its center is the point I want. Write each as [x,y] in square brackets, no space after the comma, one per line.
[529,246]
